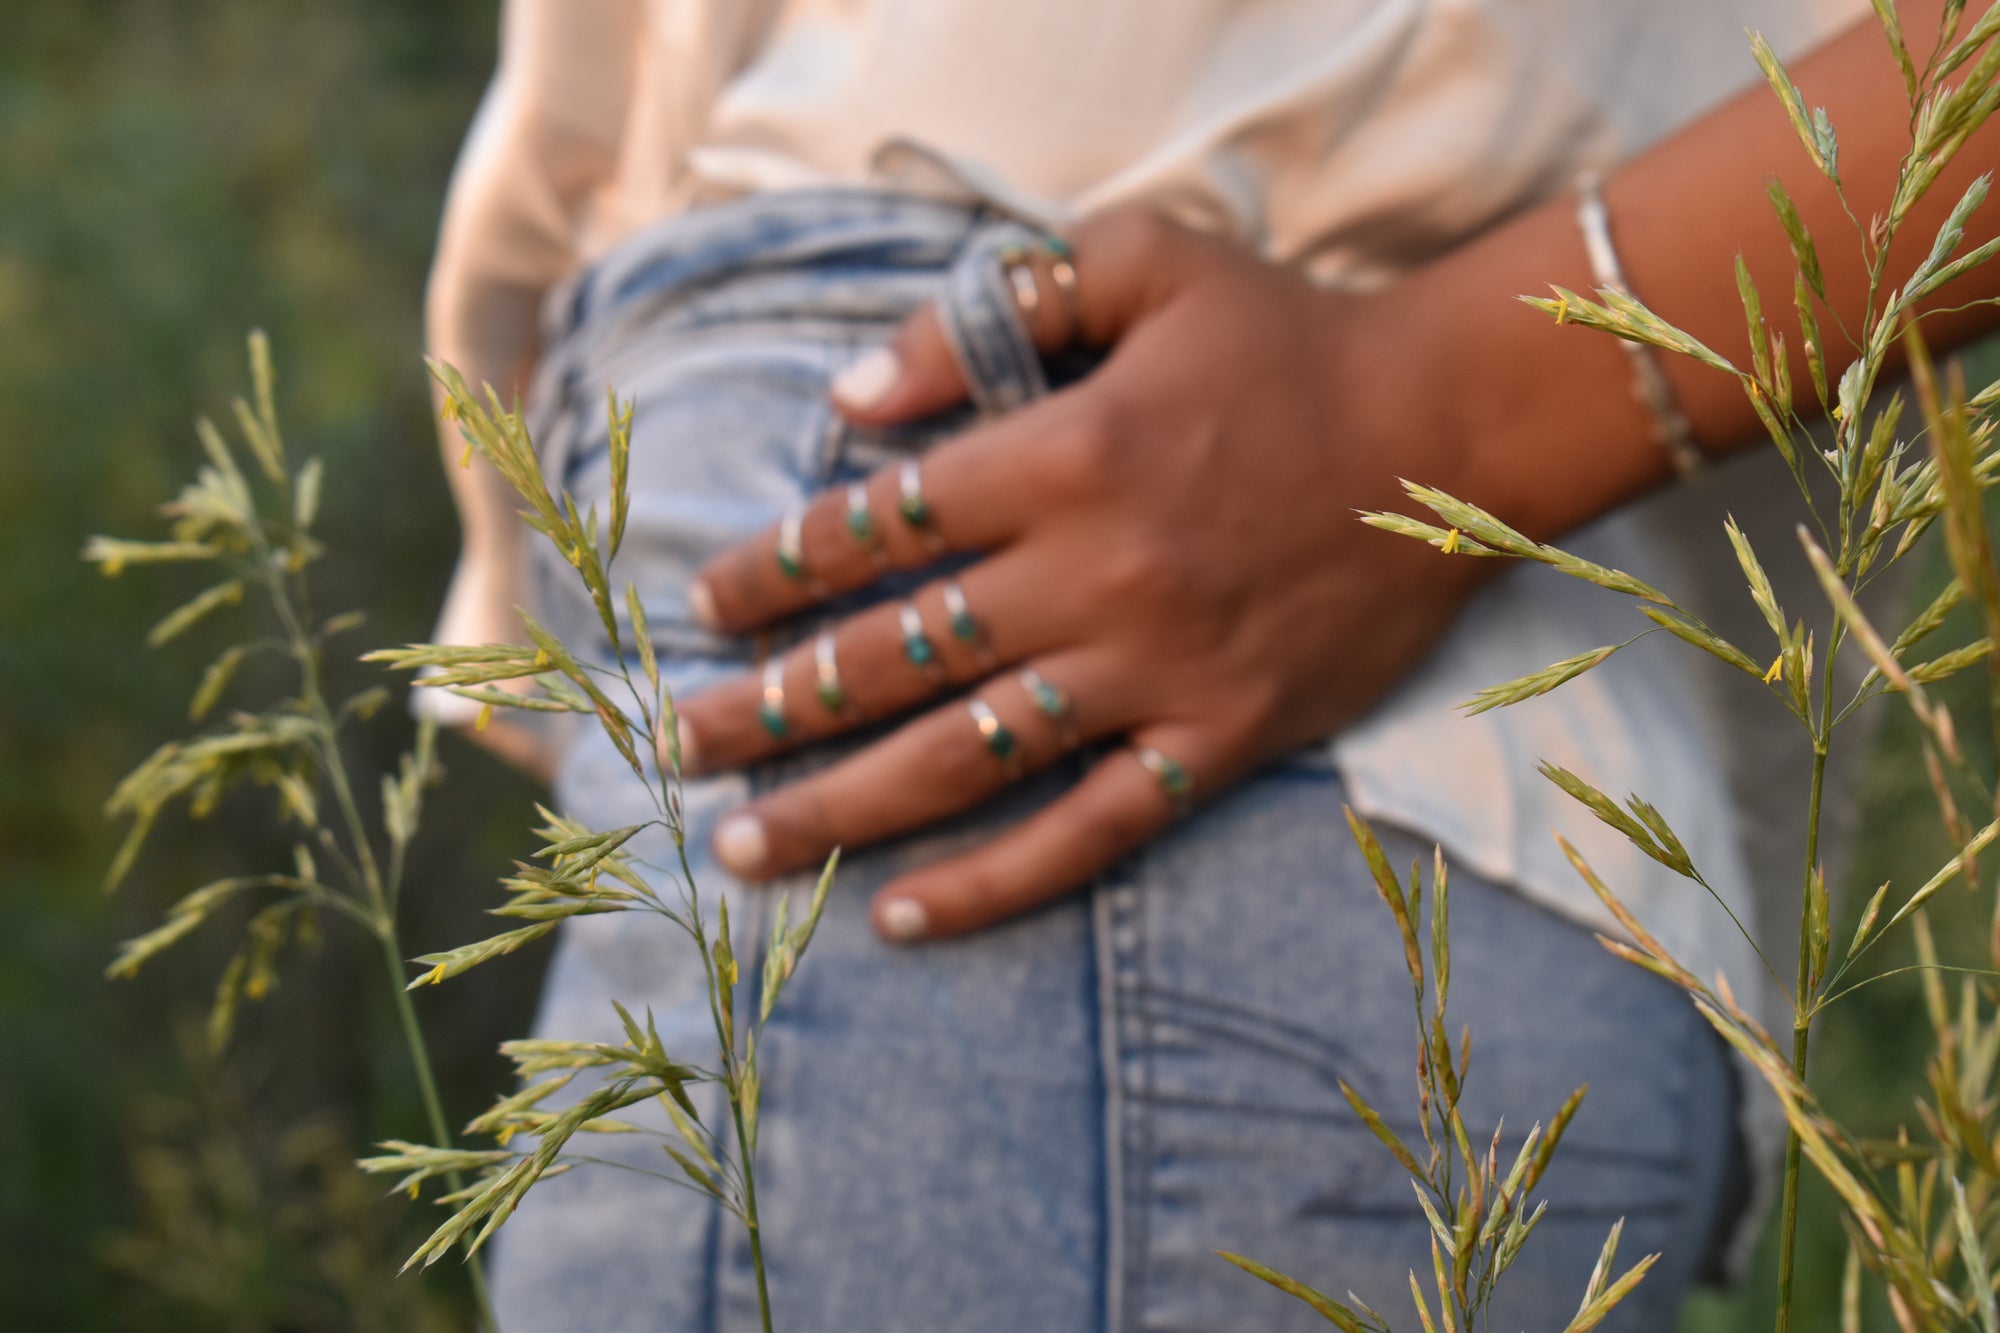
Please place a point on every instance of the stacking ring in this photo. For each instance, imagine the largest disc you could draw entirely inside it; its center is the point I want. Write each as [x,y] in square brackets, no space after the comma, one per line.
[832,694]
[1051,703]
[1014,261]
[1174,781]
[917,645]
[916,510]
[959,619]
[772,711]
[860,522]
[1063,271]
[791,544]
[1000,742]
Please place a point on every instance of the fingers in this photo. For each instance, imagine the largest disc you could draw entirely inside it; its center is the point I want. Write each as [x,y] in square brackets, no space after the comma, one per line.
[1088,288]
[972,493]
[1120,805]
[872,665]
[938,765]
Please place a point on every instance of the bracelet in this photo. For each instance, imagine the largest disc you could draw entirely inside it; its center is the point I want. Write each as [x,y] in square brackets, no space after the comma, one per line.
[1649,382]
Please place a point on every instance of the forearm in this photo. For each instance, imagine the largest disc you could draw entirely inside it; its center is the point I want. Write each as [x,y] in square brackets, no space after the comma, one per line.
[1532,401]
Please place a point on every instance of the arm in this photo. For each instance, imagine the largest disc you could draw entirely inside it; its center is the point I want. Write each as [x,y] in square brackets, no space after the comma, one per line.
[1541,400]
[545,139]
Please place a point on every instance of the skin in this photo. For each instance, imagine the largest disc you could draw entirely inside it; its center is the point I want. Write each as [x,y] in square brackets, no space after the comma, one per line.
[1225,625]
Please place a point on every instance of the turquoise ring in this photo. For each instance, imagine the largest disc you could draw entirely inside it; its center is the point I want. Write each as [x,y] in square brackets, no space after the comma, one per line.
[1051,703]
[791,551]
[959,620]
[1000,742]
[771,712]
[826,665]
[860,521]
[1175,783]
[917,645]
[910,501]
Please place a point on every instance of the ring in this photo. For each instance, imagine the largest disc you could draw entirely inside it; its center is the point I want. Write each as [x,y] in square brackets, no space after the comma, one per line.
[1063,271]
[916,510]
[959,618]
[1172,777]
[1051,703]
[1014,262]
[832,694]
[772,711]
[860,522]
[791,544]
[999,740]
[917,645]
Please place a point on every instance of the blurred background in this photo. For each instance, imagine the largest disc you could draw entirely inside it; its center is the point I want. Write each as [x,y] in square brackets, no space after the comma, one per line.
[173,173]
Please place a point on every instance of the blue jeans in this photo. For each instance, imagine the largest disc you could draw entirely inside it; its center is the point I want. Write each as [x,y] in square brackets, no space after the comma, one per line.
[1053,1125]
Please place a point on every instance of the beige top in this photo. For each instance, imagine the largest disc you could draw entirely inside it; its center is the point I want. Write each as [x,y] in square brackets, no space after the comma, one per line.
[1359,137]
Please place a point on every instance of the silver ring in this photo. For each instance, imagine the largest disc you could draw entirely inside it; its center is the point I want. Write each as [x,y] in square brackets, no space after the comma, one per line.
[917,645]
[1000,741]
[791,544]
[1063,271]
[1052,703]
[771,712]
[910,501]
[1175,783]
[860,520]
[832,694]
[1026,294]
[959,620]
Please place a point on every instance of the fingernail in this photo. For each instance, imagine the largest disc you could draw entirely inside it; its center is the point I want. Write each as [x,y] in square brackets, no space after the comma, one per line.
[903,919]
[701,605]
[740,844]
[868,381]
[690,751]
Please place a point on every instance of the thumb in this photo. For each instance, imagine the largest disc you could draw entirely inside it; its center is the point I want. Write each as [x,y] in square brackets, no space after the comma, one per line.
[1090,292]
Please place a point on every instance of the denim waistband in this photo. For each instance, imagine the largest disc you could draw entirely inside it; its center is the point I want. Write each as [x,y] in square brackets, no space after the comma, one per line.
[830,253]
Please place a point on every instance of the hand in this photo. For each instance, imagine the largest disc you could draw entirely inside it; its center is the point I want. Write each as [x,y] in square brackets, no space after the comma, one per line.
[1171,543]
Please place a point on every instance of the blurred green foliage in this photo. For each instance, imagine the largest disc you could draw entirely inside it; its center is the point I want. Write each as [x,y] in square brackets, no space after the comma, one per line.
[173,172]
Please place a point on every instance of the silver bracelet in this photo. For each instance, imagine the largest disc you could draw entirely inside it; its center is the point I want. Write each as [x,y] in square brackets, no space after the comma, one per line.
[1649,382]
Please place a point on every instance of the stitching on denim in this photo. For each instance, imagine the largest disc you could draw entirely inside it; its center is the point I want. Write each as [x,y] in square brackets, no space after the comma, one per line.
[1273,1033]
[1339,1118]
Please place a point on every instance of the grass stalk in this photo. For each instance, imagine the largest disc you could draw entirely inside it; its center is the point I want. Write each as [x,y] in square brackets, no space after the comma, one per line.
[1788,1218]
[750,1214]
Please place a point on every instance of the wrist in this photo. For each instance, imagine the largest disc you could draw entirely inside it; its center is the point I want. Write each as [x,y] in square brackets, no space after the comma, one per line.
[1544,428]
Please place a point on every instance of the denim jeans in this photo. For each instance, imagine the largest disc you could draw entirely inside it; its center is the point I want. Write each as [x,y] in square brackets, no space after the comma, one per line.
[1053,1125]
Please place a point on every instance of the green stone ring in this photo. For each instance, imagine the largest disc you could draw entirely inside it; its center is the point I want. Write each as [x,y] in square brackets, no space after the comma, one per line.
[860,522]
[910,502]
[917,645]
[772,711]
[1051,703]
[832,694]
[999,740]
[963,627]
[1172,777]
[791,544]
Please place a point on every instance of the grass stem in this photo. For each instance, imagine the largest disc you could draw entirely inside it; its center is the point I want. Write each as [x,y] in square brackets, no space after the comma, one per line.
[420,1061]
[1788,1218]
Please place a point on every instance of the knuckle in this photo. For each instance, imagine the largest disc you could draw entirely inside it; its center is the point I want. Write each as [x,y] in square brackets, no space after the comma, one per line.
[1089,461]
[1141,570]
[1135,230]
